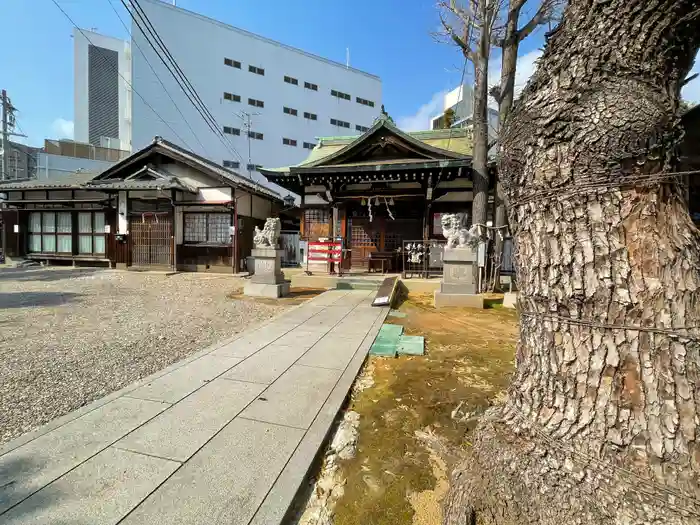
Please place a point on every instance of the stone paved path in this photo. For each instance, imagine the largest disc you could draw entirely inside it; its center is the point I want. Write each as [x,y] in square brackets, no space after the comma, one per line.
[225,436]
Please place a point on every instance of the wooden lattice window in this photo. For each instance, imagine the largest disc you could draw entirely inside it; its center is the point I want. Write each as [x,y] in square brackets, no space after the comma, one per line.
[317,223]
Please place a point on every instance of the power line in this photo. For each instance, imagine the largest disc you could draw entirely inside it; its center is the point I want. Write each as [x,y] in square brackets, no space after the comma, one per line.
[120,75]
[179,76]
[154,71]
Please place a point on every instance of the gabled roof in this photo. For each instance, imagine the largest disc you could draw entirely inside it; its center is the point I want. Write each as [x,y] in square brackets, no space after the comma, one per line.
[176,153]
[147,178]
[384,144]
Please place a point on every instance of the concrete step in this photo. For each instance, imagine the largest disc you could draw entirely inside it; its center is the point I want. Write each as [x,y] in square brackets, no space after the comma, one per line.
[357,284]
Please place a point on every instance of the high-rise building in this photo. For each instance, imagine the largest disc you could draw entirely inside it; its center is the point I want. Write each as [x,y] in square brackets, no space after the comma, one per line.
[270,100]
[102,93]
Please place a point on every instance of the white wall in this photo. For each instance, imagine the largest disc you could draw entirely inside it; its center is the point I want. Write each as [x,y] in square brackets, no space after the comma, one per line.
[80,90]
[201,56]
[56,166]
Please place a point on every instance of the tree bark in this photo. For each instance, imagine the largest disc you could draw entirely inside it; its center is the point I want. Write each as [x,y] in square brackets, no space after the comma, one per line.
[480,121]
[601,421]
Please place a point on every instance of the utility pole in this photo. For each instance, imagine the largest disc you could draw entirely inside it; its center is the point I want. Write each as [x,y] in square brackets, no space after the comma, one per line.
[5,147]
[5,143]
[8,125]
[247,125]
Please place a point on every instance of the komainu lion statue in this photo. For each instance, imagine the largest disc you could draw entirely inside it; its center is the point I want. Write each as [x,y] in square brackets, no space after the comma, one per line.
[454,228]
[268,236]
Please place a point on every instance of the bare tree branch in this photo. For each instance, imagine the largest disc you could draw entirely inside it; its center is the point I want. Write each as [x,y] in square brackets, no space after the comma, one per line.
[462,43]
[544,14]
[690,79]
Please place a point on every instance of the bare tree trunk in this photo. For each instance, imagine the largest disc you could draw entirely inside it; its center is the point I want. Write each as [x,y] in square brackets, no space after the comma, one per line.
[480,122]
[509,60]
[601,421]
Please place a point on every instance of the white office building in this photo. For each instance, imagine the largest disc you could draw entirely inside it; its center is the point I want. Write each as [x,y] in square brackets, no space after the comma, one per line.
[102,105]
[290,96]
[461,101]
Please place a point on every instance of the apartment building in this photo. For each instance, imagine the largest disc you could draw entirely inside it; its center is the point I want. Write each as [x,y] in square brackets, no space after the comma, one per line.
[269,99]
[102,93]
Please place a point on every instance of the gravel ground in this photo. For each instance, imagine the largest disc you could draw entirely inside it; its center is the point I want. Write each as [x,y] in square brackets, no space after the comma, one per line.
[68,337]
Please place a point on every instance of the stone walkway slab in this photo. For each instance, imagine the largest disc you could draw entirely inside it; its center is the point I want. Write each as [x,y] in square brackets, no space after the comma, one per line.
[225,436]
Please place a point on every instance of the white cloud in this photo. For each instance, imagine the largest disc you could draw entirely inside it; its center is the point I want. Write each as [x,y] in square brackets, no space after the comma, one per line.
[62,128]
[421,119]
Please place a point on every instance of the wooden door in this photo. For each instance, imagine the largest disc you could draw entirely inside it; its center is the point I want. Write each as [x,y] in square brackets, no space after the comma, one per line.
[151,240]
[364,239]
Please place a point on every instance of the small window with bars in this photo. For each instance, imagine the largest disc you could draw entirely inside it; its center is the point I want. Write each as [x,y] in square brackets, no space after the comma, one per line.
[312,87]
[256,103]
[232,97]
[256,70]
[255,135]
[253,167]
[364,102]
[340,123]
[289,142]
[232,63]
[209,228]
[231,131]
[361,128]
[291,80]
[290,111]
[232,164]
[310,116]
[309,145]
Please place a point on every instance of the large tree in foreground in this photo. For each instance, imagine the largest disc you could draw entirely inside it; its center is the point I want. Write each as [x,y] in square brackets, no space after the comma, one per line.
[601,424]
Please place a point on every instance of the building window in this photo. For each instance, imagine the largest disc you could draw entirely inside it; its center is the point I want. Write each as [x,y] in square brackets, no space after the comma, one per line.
[91,233]
[253,167]
[340,94]
[309,85]
[256,70]
[210,228]
[232,164]
[309,145]
[231,131]
[310,116]
[255,135]
[256,103]
[289,142]
[290,111]
[51,232]
[361,128]
[290,80]
[364,102]
[232,63]
[232,97]
[340,123]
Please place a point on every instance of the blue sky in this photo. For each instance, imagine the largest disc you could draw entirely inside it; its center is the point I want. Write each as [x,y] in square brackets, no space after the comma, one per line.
[390,38]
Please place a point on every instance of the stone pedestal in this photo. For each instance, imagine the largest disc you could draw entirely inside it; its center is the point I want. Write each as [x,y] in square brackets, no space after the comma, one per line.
[457,287]
[267,279]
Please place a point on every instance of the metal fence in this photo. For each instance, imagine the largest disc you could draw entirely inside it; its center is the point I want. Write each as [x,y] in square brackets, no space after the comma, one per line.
[422,259]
